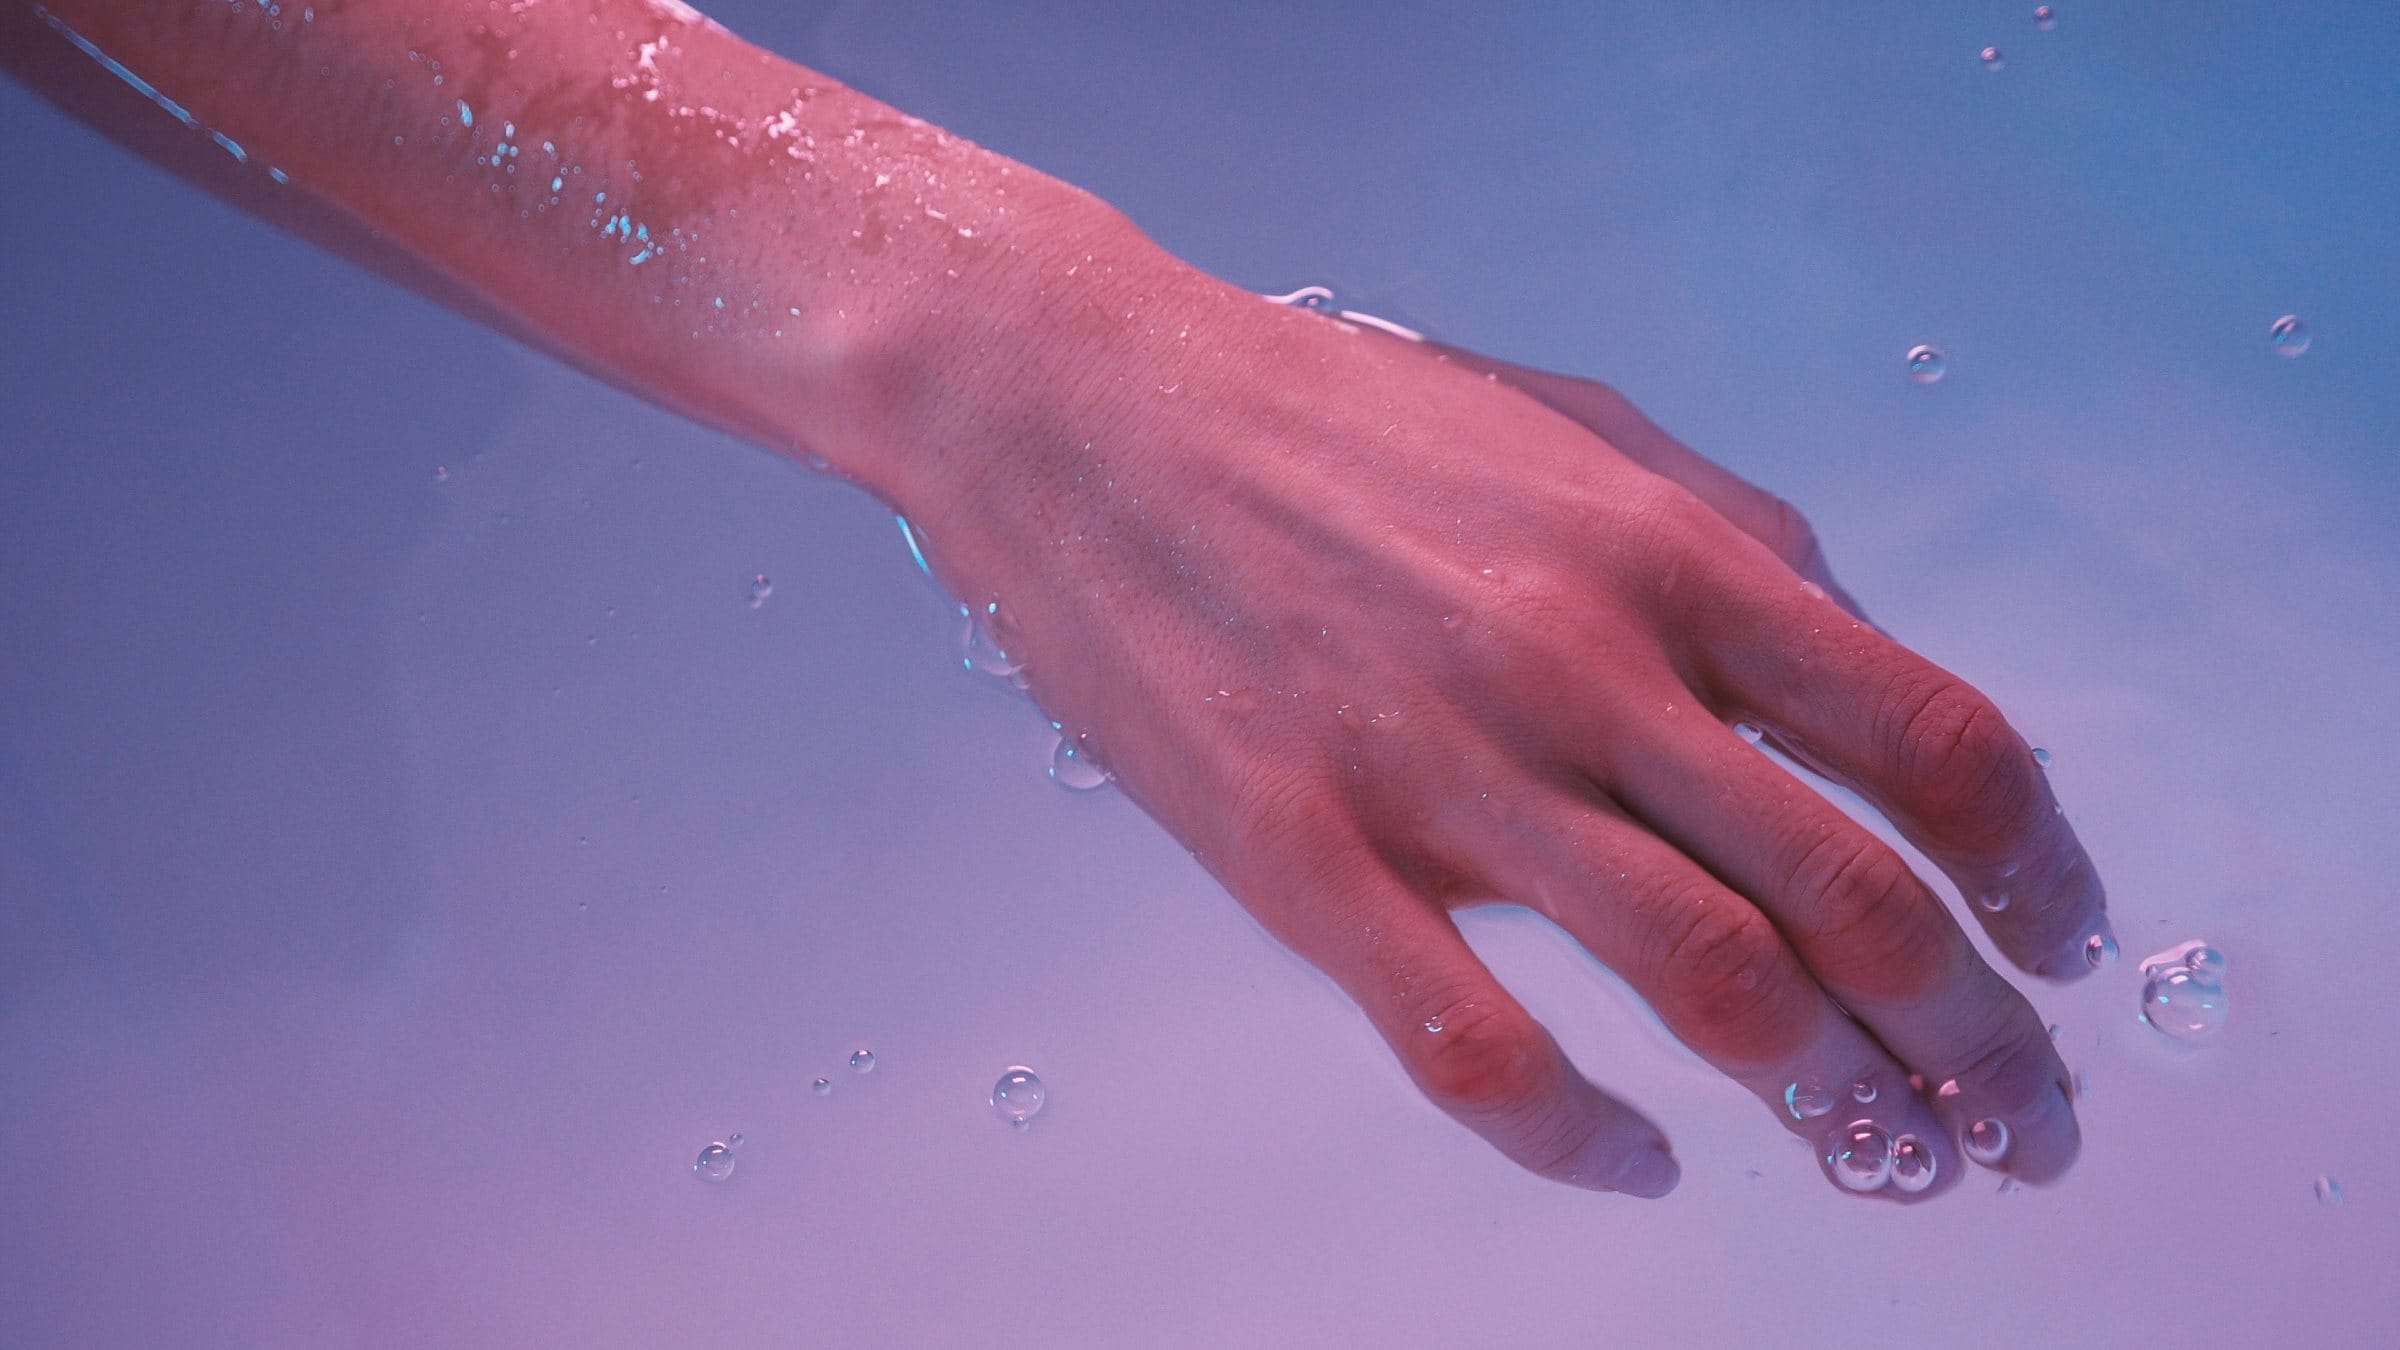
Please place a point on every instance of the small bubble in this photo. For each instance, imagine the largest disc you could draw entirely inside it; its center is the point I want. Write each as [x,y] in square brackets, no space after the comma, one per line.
[1807,1100]
[760,589]
[2289,335]
[2083,1086]
[2044,18]
[1991,58]
[1073,766]
[1019,1095]
[983,639]
[734,1140]
[1992,902]
[2178,1003]
[1926,364]
[862,1061]
[1987,1141]
[1913,1164]
[1748,732]
[2207,963]
[1863,1091]
[441,473]
[2100,951]
[1451,623]
[1860,1155]
[715,1162]
[2329,1192]
[1433,1024]
[821,1086]
[2041,757]
[1812,590]
[2054,1031]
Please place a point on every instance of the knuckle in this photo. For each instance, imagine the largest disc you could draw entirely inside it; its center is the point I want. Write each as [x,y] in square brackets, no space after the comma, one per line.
[1488,1064]
[1720,974]
[1874,933]
[1958,764]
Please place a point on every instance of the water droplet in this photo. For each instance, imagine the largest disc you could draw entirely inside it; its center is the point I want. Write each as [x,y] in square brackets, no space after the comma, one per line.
[1927,364]
[821,1086]
[862,1061]
[1451,623]
[1987,1141]
[715,1163]
[2100,951]
[1863,1091]
[2041,757]
[1913,1164]
[983,641]
[2044,18]
[1807,1100]
[2289,335]
[760,589]
[1748,732]
[1433,1024]
[1073,766]
[2180,1004]
[1991,58]
[1860,1155]
[2329,1191]
[1019,1095]
[1992,902]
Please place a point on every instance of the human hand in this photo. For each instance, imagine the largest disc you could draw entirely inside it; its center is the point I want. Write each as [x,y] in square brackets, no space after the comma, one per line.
[1380,631]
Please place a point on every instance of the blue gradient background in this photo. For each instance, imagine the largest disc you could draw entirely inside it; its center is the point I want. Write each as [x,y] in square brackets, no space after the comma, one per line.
[401,880]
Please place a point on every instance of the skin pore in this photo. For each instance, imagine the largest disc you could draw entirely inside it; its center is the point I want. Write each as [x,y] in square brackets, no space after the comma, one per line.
[1377,629]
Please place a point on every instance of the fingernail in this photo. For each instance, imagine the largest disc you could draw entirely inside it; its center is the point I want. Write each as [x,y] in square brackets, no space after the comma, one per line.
[1650,1173]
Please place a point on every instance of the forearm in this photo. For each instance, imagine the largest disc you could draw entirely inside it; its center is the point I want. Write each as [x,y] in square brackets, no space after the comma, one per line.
[625,185]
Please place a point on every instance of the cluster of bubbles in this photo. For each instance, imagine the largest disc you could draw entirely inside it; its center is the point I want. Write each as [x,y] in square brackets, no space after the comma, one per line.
[1017,1098]
[2183,991]
[1864,1156]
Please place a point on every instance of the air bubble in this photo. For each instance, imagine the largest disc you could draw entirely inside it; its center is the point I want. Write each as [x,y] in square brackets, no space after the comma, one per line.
[862,1061]
[1927,364]
[1863,1091]
[1991,58]
[1318,298]
[1748,732]
[1074,767]
[1992,902]
[2329,1192]
[2041,757]
[821,1086]
[2044,18]
[1913,1164]
[1987,1141]
[1019,1095]
[1860,1155]
[2100,951]
[983,640]
[2183,991]
[1434,1025]
[715,1162]
[2288,335]
[1807,1101]
[760,589]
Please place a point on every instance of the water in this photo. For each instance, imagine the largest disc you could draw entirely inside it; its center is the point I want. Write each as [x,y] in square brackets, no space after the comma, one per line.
[2183,991]
[1992,59]
[1861,1156]
[2044,18]
[2288,335]
[1987,1141]
[862,1061]
[1019,1095]
[715,1162]
[1927,364]
[1074,767]
[821,1086]
[1913,1164]
[1807,1101]
[760,589]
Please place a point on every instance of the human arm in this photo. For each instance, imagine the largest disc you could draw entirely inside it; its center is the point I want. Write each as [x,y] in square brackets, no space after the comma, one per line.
[1223,530]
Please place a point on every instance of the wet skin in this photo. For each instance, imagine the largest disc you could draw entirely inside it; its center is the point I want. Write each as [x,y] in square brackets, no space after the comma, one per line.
[1378,629]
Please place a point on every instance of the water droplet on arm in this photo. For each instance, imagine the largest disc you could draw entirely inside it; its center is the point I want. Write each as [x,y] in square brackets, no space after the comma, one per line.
[1860,1155]
[1807,1100]
[1073,766]
[1987,1141]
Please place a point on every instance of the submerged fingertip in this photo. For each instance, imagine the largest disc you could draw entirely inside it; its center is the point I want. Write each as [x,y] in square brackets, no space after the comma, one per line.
[1650,1173]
